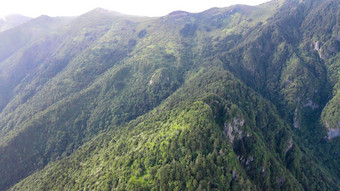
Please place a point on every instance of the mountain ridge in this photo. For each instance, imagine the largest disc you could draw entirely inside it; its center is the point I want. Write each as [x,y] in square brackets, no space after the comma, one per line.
[10,21]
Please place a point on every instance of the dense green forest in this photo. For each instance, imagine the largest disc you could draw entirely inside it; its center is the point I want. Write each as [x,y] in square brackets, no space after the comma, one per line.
[236,98]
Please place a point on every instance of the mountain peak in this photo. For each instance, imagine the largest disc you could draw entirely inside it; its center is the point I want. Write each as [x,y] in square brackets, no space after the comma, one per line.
[178,13]
[100,10]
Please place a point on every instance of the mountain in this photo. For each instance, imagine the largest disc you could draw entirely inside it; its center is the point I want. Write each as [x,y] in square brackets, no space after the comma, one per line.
[18,48]
[236,98]
[12,21]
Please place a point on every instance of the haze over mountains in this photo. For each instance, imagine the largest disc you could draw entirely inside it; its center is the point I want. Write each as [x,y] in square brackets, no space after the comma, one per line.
[236,98]
[11,21]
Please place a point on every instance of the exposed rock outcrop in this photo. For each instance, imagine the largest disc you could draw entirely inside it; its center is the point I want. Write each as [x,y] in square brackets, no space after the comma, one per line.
[233,129]
[332,133]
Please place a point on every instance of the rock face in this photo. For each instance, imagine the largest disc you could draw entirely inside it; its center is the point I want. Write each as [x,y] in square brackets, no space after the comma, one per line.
[296,120]
[289,145]
[332,133]
[311,104]
[233,129]
[317,46]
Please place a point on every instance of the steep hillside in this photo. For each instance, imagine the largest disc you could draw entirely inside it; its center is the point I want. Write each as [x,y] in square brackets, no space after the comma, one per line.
[18,48]
[239,98]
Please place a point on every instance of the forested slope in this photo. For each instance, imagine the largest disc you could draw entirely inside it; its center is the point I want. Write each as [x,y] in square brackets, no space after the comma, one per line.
[239,98]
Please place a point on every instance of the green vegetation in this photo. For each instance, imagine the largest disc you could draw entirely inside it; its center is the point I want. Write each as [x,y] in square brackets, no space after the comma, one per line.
[239,98]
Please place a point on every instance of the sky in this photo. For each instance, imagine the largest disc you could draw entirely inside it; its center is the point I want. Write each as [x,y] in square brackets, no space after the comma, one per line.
[35,8]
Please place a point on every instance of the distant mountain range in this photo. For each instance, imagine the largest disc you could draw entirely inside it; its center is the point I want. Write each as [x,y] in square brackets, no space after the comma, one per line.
[236,98]
[11,21]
